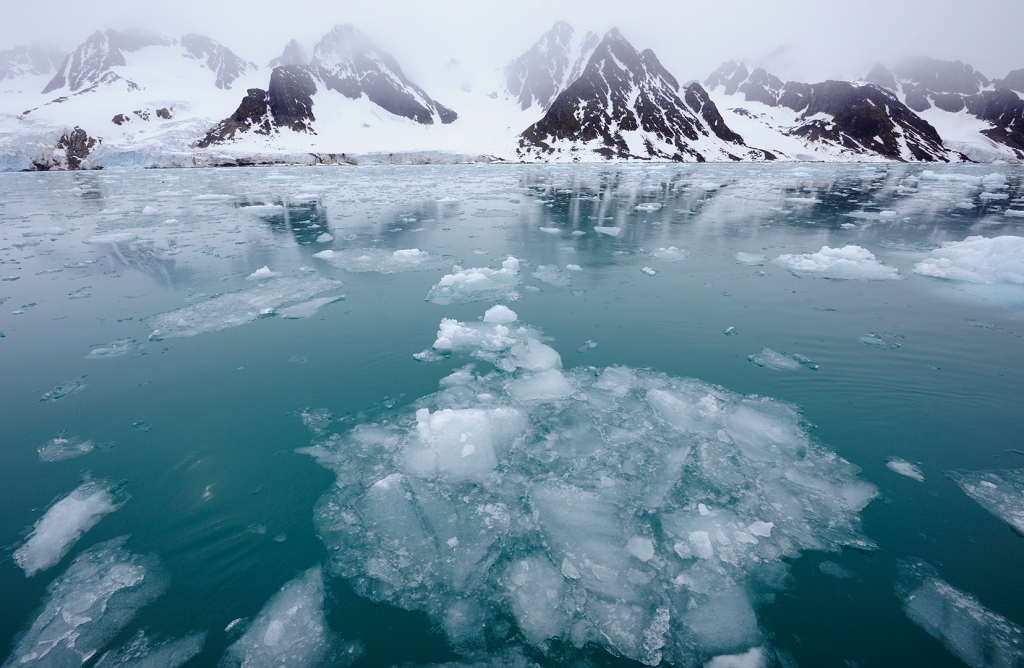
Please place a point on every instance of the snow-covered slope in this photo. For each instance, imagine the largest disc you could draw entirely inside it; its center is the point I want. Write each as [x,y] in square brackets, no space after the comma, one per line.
[823,121]
[554,62]
[626,105]
[38,59]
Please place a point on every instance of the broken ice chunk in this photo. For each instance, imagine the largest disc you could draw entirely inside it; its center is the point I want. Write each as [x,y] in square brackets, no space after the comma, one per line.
[751,259]
[848,262]
[500,314]
[262,273]
[60,448]
[773,360]
[477,284]
[905,468]
[999,492]
[143,651]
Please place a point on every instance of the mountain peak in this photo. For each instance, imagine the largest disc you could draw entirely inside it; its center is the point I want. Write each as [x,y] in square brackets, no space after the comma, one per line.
[35,59]
[539,74]
[219,59]
[293,54]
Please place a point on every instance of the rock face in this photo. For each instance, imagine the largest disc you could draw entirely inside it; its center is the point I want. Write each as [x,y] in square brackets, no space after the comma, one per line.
[859,118]
[76,144]
[37,59]
[293,54]
[626,105]
[346,61]
[1005,111]
[218,58]
[1014,81]
[540,74]
[90,63]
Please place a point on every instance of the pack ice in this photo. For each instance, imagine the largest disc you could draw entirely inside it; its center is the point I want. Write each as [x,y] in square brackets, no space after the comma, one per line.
[63,524]
[477,284]
[233,309]
[291,630]
[976,635]
[848,262]
[977,260]
[385,261]
[618,507]
[99,594]
[999,492]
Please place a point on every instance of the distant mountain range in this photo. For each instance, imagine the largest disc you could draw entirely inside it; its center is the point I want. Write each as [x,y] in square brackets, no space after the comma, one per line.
[135,98]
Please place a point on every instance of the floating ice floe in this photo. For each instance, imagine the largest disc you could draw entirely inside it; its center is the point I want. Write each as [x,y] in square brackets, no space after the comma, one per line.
[64,389]
[848,262]
[648,207]
[477,284]
[905,468]
[60,447]
[500,314]
[774,360]
[974,634]
[573,267]
[324,238]
[610,231]
[291,630]
[552,275]
[751,259]
[550,230]
[262,273]
[385,261]
[671,254]
[618,507]
[102,590]
[64,523]
[143,651]
[999,492]
[977,260]
[649,271]
[112,349]
[233,309]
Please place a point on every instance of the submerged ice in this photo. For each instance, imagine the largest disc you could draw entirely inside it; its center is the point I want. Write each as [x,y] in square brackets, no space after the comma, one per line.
[143,651]
[618,507]
[848,262]
[102,590]
[384,261]
[976,635]
[233,309]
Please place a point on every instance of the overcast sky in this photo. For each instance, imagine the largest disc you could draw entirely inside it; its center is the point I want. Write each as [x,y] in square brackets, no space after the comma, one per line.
[810,40]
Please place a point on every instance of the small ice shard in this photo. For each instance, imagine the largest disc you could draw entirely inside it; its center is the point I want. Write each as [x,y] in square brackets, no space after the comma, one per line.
[806,361]
[730,331]
[325,255]
[262,273]
[773,360]
[977,260]
[102,590]
[60,448]
[427,355]
[324,238]
[550,230]
[63,524]
[976,635]
[149,210]
[610,231]
[671,254]
[905,468]
[292,630]
[587,345]
[112,349]
[477,284]
[751,259]
[848,262]
[648,207]
[999,492]
[640,547]
[649,271]
[573,267]
[500,314]
[762,529]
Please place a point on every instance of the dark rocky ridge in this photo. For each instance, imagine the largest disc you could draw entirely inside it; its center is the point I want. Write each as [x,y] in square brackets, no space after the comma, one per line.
[1005,111]
[623,90]
[293,54]
[77,145]
[90,63]
[219,59]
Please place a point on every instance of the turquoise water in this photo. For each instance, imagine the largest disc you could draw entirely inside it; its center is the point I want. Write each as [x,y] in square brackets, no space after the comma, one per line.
[194,429]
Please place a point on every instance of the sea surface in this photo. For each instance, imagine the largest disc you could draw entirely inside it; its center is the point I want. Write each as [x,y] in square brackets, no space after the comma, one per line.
[692,436]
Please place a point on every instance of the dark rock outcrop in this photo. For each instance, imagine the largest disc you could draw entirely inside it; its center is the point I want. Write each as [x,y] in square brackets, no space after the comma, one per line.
[293,54]
[225,65]
[1005,111]
[346,61]
[77,145]
[1014,81]
[882,77]
[626,105]
[940,76]
[120,119]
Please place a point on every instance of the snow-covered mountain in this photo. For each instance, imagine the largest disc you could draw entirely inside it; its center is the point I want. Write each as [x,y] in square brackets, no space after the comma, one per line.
[625,105]
[126,98]
[981,118]
[826,120]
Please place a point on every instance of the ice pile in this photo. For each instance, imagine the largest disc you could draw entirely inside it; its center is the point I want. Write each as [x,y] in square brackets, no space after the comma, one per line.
[976,635]
[999,492]
[477,284]
[233,309]
[60,447]
[625,508]
[848,262]
[64,523]
[99,594]
[552,275]
[384,261]
[145,652]
[291,630]
[977,260]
